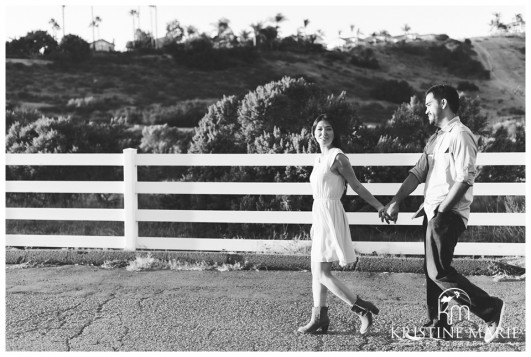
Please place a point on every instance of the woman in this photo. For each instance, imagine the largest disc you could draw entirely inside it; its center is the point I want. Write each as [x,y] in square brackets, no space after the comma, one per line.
[330,231]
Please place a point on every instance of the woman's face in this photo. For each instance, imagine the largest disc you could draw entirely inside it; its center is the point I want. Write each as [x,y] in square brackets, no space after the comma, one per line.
[324,133]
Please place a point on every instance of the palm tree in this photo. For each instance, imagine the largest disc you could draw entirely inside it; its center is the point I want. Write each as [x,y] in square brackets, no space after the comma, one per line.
[191,31]
[278,18]
[406,28]
[495,23]
[156,33]
[95,23]
[245,37]
[133,13]
[63,19]
[55,27]
[358,33]
[256,29]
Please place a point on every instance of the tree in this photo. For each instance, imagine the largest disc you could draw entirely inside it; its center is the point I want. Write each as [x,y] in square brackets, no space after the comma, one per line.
[218,130]
[224,37]
[174,31]
[33,45]
[277,19]
[95,23]
[301,31]
[269,35]
[55,27]
[75,48]
[133,13]
[245,37]
[408,128]
[519,19]
[191,31]
[257,35]
[471,115]
[163,139]
[144,40]
[496,25]
[406,29]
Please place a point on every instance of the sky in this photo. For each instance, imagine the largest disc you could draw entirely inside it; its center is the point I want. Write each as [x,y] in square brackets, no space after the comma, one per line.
[455,19]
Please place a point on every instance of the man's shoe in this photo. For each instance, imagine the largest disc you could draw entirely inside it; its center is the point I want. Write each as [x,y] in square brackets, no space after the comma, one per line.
[495,326]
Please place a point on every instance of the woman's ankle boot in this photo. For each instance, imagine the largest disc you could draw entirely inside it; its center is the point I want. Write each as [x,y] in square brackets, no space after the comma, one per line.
[320,320]
[365,310]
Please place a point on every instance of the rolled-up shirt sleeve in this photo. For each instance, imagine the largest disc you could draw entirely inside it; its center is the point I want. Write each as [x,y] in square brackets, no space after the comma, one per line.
[464,150]
[420,170]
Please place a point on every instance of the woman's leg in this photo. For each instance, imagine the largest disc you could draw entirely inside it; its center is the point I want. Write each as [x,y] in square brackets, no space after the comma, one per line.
[319,291]
[323,272]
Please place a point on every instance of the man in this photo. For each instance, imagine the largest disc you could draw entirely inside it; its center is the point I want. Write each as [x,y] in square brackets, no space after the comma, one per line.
[447,166]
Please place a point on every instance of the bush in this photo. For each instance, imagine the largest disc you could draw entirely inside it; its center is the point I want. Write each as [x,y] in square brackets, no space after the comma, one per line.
[199,52]
[74,49]
[470,114]
[408,129]
[365,58]
[23,117]
[410,49]
[163,139]
[467,86]
[31,45]
[442,37]
[393,91]
[458,61]
[300,44]
[504,137]
[218,130]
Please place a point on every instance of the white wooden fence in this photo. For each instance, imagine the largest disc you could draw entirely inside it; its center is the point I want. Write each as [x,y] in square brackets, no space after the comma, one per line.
[131,215]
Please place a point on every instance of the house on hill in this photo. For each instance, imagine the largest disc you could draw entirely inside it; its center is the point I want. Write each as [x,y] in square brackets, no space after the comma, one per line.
[517,27]
[404,38]
[102,46]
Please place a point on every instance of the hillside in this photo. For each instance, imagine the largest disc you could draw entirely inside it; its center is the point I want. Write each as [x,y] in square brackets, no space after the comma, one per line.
[106,85]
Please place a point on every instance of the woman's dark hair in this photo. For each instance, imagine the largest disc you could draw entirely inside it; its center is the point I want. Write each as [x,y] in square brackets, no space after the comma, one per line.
[337,138]
[444,91]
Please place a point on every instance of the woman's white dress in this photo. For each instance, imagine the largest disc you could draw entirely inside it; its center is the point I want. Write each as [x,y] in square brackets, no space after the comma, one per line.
[331,240]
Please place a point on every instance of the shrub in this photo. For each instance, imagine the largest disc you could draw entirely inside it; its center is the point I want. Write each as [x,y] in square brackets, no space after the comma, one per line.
[365,58]
[23,117]
[393,91]
[163,139]
[218,130]
[290,104]
[470,114]
[408,129]
[199,52]
[467,86]
[29,46]
[74,48]
[458,61]
[442,37]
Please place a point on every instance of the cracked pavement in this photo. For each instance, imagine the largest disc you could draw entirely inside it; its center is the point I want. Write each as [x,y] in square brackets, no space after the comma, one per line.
[84,308]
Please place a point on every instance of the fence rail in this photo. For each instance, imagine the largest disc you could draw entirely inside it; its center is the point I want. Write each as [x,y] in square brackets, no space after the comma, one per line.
[130,188]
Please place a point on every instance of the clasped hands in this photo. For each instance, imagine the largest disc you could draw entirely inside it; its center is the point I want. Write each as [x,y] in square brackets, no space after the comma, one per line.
[389,213]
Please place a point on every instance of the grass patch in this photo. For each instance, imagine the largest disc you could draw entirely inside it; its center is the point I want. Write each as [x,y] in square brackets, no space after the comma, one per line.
[148,262]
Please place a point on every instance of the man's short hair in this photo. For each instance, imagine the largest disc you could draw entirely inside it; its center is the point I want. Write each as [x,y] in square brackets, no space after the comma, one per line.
[444,91]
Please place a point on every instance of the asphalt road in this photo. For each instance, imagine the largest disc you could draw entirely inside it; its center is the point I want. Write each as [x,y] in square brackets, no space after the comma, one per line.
[83,308]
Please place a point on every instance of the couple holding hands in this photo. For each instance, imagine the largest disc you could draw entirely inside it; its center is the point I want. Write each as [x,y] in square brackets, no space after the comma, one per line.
[447,168]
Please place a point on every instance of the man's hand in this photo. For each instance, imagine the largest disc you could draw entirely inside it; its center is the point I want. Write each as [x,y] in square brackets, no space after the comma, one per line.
[391,211]
[383,215]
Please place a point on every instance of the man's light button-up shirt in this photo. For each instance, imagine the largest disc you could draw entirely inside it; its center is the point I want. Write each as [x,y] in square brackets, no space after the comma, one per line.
[449,157]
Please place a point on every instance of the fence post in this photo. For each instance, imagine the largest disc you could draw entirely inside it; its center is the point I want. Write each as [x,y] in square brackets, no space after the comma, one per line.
[130,199]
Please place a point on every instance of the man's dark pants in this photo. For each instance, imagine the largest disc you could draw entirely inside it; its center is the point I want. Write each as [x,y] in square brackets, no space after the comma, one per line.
[442,232]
